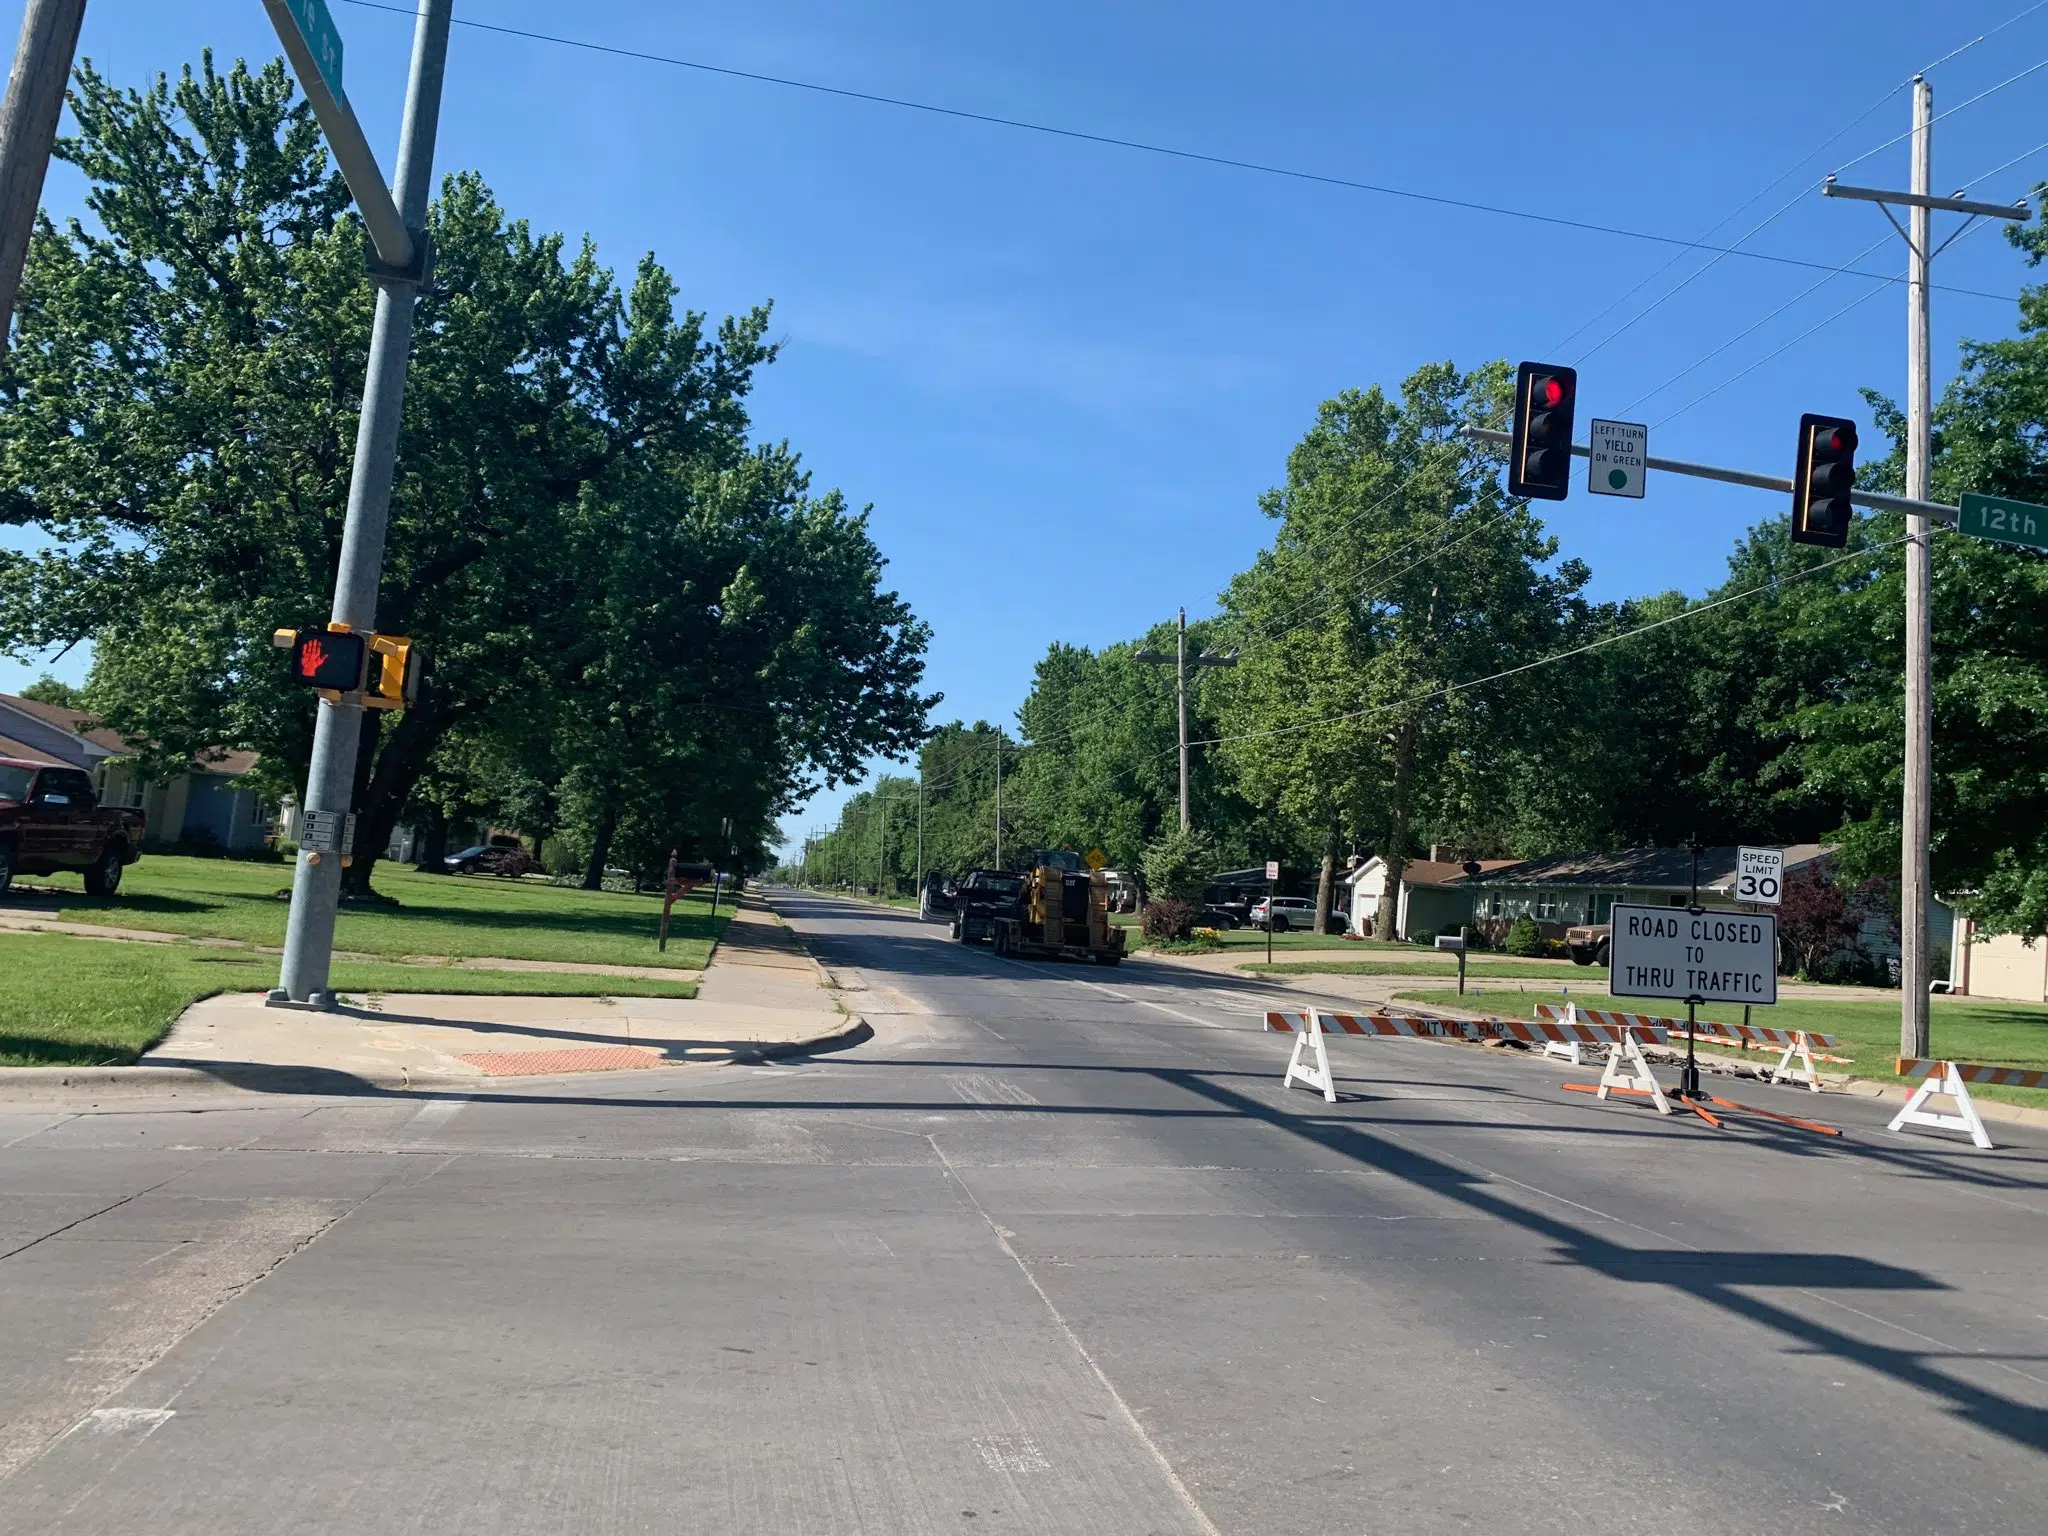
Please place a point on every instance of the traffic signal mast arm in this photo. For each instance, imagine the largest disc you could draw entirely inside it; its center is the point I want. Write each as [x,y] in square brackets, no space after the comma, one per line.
[1938,510]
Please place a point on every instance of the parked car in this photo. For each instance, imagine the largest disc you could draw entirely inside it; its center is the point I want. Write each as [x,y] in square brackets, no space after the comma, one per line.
[1589,943]
[1218,917]
[50,819]
[1281,913]
[492,858]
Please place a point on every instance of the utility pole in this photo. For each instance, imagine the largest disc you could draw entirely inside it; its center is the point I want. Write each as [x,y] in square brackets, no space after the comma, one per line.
[998,864]
[28,128]
[337,733]
[1917,818]
[882,847]
[1181,661]
[920,832]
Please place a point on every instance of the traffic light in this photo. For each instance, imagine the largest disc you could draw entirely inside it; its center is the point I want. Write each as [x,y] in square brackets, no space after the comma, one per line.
[1540,457]
[332,660]
[1823,480]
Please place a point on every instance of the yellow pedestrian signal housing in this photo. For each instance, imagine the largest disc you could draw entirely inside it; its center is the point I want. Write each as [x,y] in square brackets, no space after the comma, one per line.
[394,675]
[1821,483]
[380,671]
[1540,451]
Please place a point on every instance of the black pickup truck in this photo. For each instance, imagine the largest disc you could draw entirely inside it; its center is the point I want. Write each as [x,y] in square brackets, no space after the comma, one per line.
[982,896]
[50,819]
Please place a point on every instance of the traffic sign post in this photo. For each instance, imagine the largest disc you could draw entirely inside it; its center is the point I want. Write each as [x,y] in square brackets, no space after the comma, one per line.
[1272,890]
[1695,956]
[1760,875]
[2003,520]
[397,229]
[1618,453]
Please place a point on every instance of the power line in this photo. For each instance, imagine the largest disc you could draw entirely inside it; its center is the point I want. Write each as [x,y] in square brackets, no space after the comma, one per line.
[1447,689]
[1199,157]
[1899,138]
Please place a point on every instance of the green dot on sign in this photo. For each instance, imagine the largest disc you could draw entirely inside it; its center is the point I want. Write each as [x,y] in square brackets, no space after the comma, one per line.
[1617,478]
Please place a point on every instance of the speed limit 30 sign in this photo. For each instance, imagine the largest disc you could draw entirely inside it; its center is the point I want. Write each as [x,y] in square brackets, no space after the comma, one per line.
[1760,875]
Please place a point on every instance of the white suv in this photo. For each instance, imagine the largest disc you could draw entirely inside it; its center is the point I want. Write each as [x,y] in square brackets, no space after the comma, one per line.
[1283,912]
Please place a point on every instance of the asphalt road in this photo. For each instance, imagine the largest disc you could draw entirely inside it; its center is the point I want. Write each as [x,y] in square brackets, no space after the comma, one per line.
[1053,1253]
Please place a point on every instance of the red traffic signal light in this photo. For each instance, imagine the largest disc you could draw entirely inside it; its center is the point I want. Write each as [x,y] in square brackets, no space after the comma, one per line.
[1540,451]
[1822,481]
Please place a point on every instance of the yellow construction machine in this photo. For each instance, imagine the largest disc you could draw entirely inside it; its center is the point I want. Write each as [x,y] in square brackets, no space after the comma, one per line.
[1063,914]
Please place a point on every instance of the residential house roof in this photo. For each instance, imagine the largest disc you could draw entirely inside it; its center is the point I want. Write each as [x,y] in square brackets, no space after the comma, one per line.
[21,751]
[1435,872]
[61,733]
[1656,868]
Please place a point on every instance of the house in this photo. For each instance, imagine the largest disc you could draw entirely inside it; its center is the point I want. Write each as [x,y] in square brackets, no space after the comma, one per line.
[1561,889]
[210,803]
[2011,965]
[1432,896]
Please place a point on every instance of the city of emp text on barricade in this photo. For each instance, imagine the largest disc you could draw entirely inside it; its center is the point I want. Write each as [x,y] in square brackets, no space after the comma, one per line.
[1693,956]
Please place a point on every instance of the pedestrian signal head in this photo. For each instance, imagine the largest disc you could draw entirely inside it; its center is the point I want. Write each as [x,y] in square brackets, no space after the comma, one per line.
[1540,453]
[331,660]
[1822,480]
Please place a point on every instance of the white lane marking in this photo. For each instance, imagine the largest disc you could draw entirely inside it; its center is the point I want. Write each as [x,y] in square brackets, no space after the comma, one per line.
[1130,1419]
[102,1420]
[432,1114]
[1012,1453]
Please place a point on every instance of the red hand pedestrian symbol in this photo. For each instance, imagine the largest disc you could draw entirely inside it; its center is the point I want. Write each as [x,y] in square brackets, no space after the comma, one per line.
[312,657]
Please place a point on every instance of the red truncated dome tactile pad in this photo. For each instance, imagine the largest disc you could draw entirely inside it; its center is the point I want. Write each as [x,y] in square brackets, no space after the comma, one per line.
[604,1058]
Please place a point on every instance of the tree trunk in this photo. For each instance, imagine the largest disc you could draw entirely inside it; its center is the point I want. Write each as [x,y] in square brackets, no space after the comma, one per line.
[386,781]
[1326,887]
[1395,854]
[601,847]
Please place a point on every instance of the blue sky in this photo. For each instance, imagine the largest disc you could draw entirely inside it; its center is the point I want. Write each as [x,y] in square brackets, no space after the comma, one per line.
[1063,372]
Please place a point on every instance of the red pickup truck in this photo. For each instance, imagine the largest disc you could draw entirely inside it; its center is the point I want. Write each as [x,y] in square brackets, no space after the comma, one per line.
[50,820]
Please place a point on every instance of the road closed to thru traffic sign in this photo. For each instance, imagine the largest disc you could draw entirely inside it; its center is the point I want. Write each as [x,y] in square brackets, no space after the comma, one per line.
[1694,956]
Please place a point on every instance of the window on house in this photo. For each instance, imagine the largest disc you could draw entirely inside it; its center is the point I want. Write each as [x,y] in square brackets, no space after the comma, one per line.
[1547,907]
[1493,907]
[258,813]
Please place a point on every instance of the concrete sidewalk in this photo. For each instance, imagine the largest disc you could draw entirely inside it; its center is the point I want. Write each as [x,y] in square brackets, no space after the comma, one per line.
[762,996]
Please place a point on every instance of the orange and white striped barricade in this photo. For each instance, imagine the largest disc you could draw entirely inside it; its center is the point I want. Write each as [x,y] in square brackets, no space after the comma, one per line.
[1605,1022]
[1310,1063]
[1951,1079]
[1796,1042]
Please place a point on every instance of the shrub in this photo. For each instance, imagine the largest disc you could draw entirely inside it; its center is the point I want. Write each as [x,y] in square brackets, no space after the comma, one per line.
[1426,937]
[1177,866]
[1523,939]
[1167,920]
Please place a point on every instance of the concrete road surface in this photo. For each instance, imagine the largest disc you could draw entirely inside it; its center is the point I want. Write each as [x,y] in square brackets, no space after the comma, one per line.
[1053,1253]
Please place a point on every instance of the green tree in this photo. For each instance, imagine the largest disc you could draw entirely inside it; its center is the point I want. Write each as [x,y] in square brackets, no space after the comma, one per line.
[1400,572]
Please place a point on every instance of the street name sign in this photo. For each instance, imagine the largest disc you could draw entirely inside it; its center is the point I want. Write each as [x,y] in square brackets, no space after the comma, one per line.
[2008,522]
[1614,462]
[1760,875]
[323,40]
[1693,956]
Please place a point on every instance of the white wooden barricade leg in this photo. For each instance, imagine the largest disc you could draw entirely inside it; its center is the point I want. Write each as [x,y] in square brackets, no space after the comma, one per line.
[1627,1051]
[1317,1076]
[1568,1049]
[1803,1049]
[1948,1082]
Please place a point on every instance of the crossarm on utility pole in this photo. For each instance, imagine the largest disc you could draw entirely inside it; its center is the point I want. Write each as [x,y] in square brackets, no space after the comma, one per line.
[1940,511]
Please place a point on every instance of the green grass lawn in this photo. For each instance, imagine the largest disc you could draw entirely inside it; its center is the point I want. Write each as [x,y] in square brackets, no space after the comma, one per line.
[1966,1028]
[460,916]
[89,1002]
[1429,963]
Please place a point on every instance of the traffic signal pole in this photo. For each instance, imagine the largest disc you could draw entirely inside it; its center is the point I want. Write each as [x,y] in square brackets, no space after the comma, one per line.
[28,129]
[1916,812]
[337,733]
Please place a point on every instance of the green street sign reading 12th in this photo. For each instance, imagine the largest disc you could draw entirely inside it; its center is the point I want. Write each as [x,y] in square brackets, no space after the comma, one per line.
[2009,522]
